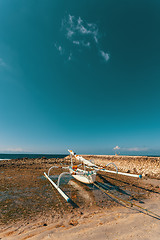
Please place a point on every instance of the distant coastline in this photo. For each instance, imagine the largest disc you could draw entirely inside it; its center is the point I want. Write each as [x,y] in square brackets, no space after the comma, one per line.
[9,156]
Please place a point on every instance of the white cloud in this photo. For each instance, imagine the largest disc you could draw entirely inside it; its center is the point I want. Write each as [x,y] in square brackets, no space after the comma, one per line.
[96,39]
[135,149]
[78,27]
[59,48]
[76,42]
[86,44]
[70,33]
[80,34]
[70,57]
[71,19]
[12,149]
[15,150]
[104,55]
[116,148]
[81,43]
[80,21]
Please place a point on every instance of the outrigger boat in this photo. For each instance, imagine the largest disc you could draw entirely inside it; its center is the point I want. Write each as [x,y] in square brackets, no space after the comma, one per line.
[86,175]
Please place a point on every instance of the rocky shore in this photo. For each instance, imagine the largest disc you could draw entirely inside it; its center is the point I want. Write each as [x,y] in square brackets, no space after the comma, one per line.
[31,207]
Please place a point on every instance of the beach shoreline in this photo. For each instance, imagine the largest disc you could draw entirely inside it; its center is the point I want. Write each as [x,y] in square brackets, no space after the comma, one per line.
[23,188]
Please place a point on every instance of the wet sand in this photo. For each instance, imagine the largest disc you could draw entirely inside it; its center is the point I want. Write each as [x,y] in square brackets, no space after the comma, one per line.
[32,209]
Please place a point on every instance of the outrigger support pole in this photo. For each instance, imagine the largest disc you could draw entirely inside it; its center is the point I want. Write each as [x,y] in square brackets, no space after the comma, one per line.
[121,173]
[62,174]
[58,189]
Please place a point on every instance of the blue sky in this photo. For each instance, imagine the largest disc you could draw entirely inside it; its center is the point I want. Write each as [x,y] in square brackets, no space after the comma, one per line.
[82,75]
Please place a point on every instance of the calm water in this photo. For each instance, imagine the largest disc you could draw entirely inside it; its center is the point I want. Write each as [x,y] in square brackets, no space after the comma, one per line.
[16,156]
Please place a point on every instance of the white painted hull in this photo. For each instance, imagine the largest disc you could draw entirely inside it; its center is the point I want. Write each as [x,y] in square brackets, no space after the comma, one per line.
[84,176]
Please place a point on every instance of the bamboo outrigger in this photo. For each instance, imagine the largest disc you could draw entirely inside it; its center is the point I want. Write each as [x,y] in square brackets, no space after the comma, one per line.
[83,175]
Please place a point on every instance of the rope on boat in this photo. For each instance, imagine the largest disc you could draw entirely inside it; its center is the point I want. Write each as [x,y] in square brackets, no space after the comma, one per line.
[128,203]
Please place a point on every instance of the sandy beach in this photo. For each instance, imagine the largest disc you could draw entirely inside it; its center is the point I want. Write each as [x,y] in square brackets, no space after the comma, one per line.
[32,209]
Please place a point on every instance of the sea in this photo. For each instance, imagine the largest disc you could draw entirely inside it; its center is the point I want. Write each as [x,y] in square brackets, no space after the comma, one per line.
[7,156]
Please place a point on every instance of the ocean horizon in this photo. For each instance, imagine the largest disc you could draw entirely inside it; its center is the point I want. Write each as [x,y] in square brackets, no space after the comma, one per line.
[9,156]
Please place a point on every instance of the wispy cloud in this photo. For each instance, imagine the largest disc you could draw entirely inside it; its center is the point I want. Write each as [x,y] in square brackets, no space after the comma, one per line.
[135,149]
[86,44]
[131,149]
[76,42]
[77,27]
[12,150]
[116,148]
[59,48]
[70,57]
[81,35]
[104,55]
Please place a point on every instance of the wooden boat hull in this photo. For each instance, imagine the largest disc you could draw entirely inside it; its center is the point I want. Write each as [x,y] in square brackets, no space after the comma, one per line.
[84,176]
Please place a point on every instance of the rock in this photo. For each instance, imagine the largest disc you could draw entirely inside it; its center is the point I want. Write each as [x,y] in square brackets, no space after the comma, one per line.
[73,222]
